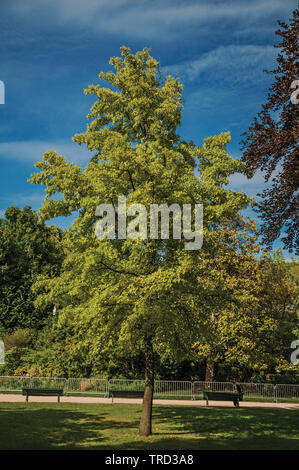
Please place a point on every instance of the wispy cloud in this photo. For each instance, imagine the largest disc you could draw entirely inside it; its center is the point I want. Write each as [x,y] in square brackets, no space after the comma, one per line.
[251,186]
[141,18]
[234,65]
[31,151]
[33,200]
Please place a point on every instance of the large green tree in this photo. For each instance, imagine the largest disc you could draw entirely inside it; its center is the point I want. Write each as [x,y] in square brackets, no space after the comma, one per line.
[136,293]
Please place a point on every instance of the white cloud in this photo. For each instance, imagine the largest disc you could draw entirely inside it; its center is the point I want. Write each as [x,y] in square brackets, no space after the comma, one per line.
[31,151]
[33,200]
[251,186]
[233,64]
[145,18]
[19,198]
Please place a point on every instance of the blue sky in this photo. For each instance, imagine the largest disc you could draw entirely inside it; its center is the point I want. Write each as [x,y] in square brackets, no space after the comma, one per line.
[51,50]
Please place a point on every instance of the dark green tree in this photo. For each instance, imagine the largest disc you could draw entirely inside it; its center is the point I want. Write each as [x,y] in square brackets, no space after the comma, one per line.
[27,248]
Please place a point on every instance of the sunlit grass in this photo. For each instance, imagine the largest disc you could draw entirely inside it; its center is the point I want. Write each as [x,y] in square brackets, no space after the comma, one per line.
[105,426]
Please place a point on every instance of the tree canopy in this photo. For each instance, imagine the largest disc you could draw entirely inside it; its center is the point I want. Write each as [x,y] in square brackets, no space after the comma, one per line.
[135,292]
[28,248]
[271,143]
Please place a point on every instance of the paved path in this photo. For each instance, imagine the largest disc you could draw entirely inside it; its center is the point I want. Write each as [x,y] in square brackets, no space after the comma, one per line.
[133,401]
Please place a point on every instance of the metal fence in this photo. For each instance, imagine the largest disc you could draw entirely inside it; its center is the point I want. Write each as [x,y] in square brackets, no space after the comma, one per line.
[200,387]
[173,388]
[47,382]
[257,392]
[13,384]
[126,385]
[79,386]
[286,392]
[162,388]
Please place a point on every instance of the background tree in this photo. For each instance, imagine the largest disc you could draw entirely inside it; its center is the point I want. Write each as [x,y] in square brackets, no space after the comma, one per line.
[268,339]
[134,292]
[271,144]
[226,273]
[253,331]
[27,248]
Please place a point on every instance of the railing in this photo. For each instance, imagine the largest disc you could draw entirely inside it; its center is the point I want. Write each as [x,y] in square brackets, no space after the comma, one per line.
[47,382]
[126,385]
[79,386]
[257,392]
[173,388]
[162,388]
[287,393]
[13,384]
[200,387]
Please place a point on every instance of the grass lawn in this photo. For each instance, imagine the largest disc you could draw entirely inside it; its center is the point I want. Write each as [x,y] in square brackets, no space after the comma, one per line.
[115,427]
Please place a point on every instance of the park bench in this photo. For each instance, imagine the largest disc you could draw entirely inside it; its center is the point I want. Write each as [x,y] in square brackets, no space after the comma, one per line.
[223,396]
[126,394]
[43,392]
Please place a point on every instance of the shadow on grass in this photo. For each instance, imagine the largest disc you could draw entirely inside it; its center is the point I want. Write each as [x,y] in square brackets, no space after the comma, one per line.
[216,428]
[59,426]
[229,427]
[220,429]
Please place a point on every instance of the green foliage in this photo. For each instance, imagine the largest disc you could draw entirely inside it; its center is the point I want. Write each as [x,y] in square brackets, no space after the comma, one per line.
[115,294]
[13,361]
[284,378]
[253,331]
[27,248]
[20,338]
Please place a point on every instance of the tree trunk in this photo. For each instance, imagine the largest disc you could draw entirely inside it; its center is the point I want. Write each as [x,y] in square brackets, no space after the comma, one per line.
[209,370]
[145,426]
